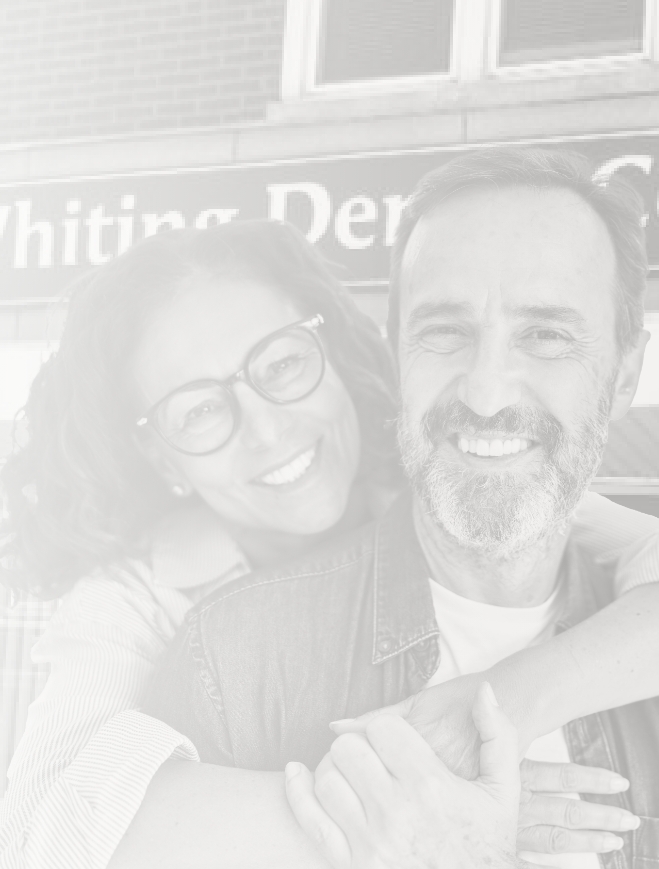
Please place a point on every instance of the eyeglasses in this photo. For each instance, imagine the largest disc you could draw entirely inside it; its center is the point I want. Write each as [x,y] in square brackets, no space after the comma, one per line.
[200,418]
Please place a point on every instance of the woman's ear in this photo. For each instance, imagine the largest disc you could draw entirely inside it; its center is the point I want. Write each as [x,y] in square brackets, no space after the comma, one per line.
[152,448]
[628,376]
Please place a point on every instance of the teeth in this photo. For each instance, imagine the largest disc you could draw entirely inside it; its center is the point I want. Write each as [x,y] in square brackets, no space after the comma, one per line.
[495,447]
[291,472]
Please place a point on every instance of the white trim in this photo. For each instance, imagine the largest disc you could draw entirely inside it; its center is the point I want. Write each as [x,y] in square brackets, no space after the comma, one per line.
[625,485]
[469,45]
[295,48]
[329,158]
[604,63]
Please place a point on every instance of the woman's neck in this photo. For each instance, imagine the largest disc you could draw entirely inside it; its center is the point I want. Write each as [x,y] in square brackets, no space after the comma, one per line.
[270,548]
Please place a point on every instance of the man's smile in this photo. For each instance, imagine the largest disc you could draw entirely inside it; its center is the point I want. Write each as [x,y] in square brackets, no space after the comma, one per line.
[493,446]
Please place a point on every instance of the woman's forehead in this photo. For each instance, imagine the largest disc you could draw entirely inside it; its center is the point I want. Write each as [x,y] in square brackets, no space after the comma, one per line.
[205,331]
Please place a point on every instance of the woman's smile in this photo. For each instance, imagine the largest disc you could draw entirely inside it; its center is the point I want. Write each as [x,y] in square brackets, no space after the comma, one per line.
[292,470]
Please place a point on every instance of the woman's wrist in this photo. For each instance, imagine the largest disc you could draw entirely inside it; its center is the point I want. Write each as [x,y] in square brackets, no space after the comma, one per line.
[527,692]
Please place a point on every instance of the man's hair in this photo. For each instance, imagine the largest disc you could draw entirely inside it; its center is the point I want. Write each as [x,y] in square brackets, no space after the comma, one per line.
[617,203]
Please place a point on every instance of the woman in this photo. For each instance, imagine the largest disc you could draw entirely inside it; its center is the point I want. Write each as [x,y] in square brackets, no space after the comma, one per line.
[225,371]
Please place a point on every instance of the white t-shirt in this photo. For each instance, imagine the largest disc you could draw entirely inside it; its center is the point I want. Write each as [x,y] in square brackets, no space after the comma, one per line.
[474,636]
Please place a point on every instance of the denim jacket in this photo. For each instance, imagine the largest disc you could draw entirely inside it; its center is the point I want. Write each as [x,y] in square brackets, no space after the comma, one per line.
[263,665]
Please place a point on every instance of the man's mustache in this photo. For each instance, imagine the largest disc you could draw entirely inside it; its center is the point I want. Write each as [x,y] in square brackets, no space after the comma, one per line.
[441,421]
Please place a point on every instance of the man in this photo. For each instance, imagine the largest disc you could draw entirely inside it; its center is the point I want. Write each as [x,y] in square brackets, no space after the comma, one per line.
[516,315]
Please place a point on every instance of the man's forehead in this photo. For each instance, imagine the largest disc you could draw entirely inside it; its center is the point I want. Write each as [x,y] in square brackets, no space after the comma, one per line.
[514,231]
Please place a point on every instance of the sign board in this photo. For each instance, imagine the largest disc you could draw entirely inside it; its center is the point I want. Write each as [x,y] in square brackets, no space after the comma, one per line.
[51,231]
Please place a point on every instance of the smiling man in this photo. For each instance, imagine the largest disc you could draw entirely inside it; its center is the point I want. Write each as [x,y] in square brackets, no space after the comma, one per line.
[516,316]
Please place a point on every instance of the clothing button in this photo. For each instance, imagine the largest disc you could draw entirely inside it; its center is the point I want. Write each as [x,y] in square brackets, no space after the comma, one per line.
[384,646]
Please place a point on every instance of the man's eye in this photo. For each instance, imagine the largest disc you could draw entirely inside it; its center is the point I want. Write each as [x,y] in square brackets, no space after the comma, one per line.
[442,339]
[547,342]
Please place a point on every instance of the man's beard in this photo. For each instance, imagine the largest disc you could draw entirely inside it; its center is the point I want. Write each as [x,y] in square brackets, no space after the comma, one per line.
[500,514]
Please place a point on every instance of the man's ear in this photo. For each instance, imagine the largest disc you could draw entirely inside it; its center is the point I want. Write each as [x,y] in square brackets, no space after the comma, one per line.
[628,377]
[151,447]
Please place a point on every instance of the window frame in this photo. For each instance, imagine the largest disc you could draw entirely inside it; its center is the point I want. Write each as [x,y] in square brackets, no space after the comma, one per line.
[474,55]
[570,66]
[300,59]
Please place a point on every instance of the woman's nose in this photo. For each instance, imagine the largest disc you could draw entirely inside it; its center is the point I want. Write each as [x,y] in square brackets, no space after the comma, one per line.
[489,384]
[262,422]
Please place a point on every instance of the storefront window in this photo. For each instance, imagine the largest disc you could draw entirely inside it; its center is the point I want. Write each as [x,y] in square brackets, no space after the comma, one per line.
[545,31]
[379,39]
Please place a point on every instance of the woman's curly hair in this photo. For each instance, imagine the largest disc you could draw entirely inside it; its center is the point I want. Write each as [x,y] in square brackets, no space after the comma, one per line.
[79,494]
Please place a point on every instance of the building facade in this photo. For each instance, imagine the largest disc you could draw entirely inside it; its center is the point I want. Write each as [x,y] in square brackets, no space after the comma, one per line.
[122,118]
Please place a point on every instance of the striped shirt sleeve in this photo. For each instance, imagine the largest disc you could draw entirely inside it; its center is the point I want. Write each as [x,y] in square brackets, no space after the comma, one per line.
[87,756]
[617,535]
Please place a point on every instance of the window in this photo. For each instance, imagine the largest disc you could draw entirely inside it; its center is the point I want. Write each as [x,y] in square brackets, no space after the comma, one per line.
[545,31]
[378,39]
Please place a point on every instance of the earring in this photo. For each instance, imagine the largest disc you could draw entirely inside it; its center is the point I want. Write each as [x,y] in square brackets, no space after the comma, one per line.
[178,490]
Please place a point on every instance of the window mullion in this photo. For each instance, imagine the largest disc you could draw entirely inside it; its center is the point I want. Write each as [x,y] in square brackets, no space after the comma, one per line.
[470,39]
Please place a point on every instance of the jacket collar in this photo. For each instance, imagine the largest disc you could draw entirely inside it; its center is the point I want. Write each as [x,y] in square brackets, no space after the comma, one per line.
[403,608]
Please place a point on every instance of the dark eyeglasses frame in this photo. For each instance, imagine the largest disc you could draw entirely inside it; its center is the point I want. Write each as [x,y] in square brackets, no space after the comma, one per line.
[242,376]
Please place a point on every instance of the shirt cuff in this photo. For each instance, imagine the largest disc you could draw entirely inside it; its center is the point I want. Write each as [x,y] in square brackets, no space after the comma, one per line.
[85,815]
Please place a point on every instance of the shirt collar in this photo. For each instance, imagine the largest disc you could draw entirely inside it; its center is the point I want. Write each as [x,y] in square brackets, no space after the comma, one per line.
[403,608]
[191,548]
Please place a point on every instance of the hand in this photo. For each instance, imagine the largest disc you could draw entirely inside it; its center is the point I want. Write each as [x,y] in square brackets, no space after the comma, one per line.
[552,824]
[384,800]
[442,715]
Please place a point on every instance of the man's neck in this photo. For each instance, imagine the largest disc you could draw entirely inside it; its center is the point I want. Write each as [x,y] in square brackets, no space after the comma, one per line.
[525,580]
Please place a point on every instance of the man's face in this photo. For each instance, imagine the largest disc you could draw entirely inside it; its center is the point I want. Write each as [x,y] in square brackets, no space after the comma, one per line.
[507,360]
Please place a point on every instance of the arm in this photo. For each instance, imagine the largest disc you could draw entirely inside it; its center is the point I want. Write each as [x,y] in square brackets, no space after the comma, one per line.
[394,805]
[86,757]
[212,817]
[599,664]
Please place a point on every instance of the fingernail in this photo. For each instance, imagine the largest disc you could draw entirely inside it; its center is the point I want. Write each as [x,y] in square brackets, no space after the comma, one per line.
[612,843]
[630,822]
[489,693]
[292,769]
[618,783]
[342,722]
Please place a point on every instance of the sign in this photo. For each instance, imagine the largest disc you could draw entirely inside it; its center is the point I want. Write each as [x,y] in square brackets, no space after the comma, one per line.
[52,231]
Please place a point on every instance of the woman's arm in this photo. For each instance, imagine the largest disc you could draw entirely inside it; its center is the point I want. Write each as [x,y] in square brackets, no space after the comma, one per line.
[82,766]
[616,535]
[212,817]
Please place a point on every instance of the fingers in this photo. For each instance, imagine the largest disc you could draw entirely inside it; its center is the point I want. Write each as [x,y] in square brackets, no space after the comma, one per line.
[358,725]
[575,814]
[337,797]
[363,769]
[557,840]
[403,751]
[499,763]
[570,778]
[313,819]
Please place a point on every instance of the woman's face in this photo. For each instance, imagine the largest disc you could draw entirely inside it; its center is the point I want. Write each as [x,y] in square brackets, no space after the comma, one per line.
[287,467]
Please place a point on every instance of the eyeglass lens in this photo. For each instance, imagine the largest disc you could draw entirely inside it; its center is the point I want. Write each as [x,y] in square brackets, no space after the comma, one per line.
[201,418]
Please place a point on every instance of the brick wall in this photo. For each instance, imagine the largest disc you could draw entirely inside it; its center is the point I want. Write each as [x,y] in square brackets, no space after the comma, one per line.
[73,68]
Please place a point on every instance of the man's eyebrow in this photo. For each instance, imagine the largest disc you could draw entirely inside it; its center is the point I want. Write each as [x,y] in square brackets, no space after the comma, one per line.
[550,313]
[429,310]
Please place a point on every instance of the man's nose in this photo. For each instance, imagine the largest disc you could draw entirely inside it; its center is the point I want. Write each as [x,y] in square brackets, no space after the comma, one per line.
[490,382]
[262,422]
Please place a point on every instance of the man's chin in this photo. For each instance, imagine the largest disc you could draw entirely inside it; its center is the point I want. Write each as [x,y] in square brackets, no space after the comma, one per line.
[500,516]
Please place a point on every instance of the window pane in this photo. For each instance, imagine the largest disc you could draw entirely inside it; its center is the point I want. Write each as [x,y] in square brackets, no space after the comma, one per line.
[533,31]
[370,39]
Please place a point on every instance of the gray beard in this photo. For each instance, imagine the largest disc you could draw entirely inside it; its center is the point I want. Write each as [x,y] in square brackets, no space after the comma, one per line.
[501,515]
